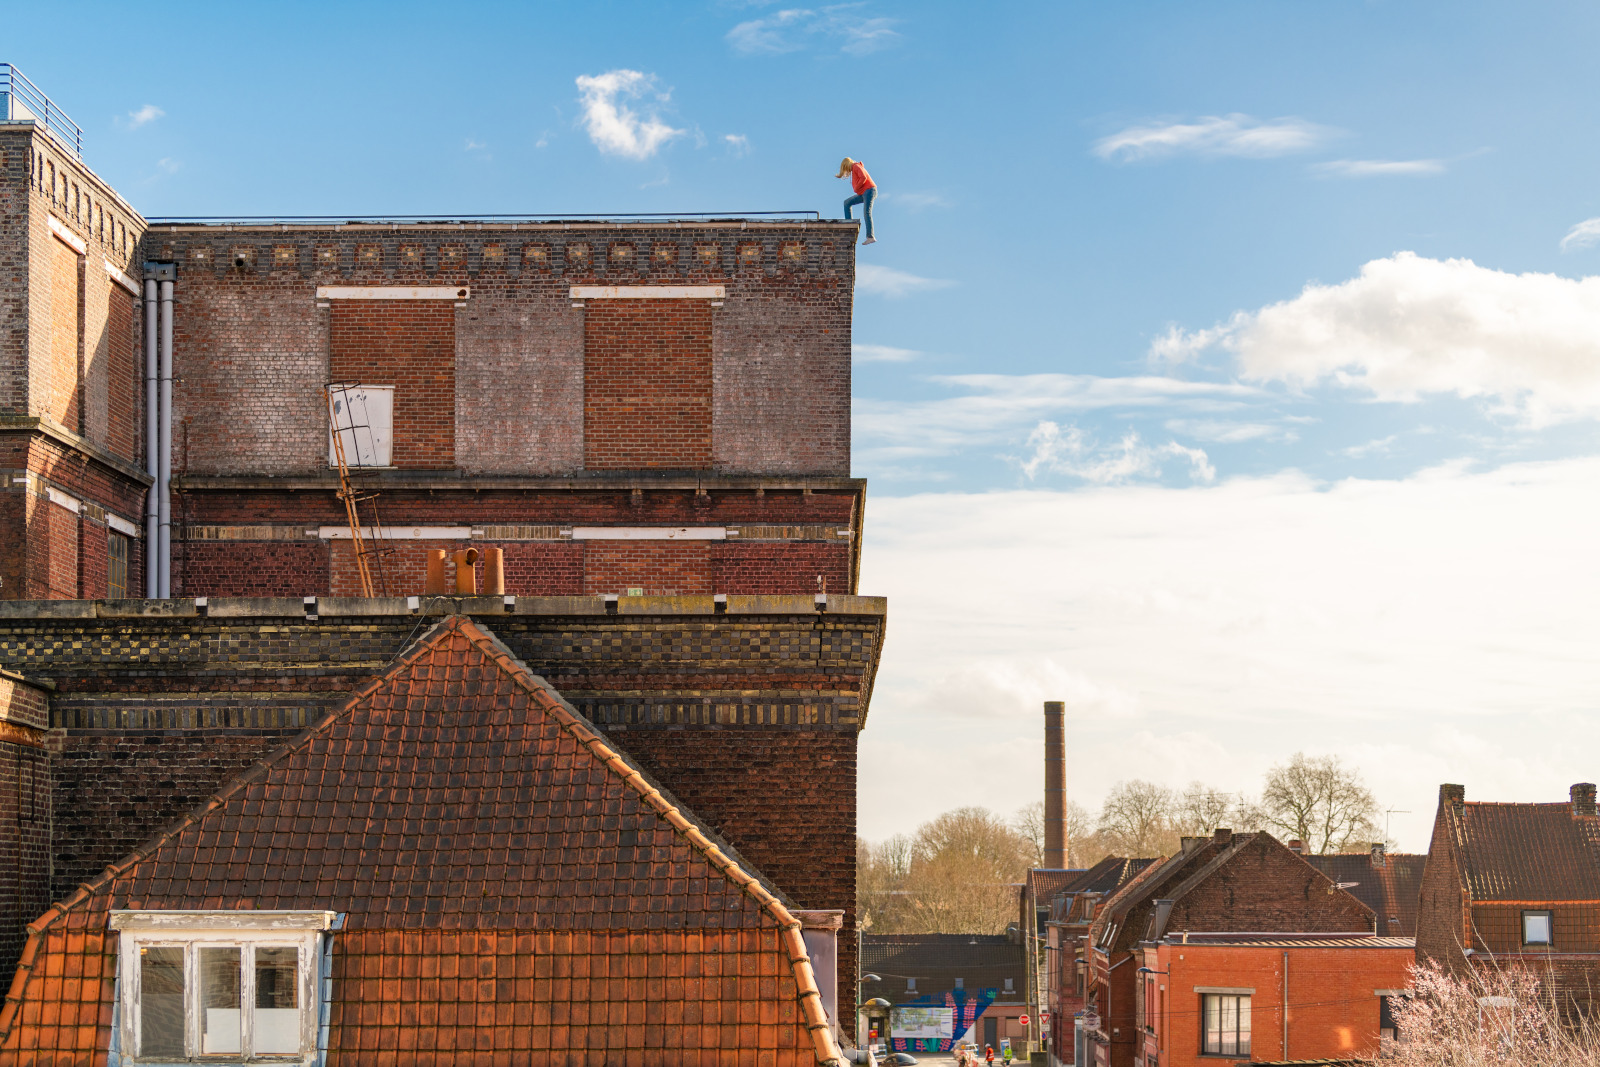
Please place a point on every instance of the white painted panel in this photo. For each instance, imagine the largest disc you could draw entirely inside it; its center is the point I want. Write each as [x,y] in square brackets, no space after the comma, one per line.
[649,533]
[64,500]
[277,1031]
[649,292]
[393,292]
[121,278]
[221,1033]
[364,418]
[123,526]
[66,236]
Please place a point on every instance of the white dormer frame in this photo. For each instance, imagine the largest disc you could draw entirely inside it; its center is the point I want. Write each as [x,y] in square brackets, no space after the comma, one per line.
[193,930]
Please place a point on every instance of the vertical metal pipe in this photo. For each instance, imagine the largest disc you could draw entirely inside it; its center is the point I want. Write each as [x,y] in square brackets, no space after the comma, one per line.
[1285,1055]
[152,419]
[1055,784]
[164,477]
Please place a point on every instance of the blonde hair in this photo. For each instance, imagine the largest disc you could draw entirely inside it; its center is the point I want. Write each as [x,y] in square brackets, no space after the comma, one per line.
[844,166]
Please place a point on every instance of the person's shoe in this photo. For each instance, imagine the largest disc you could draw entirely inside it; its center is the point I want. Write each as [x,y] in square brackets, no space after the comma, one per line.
[870,241]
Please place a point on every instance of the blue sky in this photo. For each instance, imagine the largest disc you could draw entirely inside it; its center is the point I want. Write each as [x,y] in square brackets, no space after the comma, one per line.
[1145,269]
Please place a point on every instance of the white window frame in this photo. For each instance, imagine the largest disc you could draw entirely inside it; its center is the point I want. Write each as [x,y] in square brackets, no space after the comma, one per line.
[1549,918]
[246,930]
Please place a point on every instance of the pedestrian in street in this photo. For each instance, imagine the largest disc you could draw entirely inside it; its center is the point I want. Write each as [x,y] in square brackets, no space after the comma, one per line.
[988,1055]
[866,191]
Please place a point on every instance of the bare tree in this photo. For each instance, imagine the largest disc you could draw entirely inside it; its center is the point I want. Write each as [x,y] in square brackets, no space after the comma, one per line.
[1201,809]
[957,874]
[1082,848]
[1321,802]
[1137,819]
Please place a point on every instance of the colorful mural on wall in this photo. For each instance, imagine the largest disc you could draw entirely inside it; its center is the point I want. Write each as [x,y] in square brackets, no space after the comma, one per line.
[965,1006]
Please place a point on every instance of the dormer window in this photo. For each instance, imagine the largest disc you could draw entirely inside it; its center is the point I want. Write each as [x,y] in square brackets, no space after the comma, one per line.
[1538,928]
[219,986]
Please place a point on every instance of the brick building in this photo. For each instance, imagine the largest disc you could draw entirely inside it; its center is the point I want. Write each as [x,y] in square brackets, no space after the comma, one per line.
[1515,885]
[649,419]
[979,979]
[1237,947]
[1390,883]
[1073,908]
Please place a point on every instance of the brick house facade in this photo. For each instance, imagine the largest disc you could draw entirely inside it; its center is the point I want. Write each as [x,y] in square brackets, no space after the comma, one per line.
[1254,904]
[1515,885]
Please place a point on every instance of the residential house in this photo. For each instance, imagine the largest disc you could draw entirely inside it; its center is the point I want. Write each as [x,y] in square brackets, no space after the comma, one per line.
[1237,947]
[453,868]
[1515,885]
[979,979]
[1033,925]
[1072,909]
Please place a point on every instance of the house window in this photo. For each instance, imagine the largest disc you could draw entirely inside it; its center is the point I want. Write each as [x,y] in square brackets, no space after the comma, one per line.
[911,985]
[1538,928]
[116,566]
[197,985]
[1225,1024]
[361,419]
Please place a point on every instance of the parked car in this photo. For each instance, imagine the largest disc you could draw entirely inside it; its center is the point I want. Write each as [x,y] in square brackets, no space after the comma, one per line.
[898,1059]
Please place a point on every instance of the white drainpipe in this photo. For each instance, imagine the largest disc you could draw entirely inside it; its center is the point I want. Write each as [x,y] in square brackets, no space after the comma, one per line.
[164,475]
[152,458]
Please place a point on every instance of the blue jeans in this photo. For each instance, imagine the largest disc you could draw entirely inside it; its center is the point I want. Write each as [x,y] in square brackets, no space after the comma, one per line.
[865,200]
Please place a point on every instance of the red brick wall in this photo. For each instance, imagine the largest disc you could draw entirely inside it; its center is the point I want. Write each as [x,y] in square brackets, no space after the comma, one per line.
[780,568]
[785,798]
[24,843]
[660,568]
[52,551]
[125,385]
[647,384]
[544,568]
[93,559]
[411,345]
[63,399]
[253,568]
[1265,887]
[1442,913]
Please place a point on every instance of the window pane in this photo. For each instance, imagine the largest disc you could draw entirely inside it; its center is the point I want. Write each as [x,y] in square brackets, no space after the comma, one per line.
[1230,1025]
[161,1002]
[117,566]
[277,1000]
[220,994]
[1536,927]
[1244,1026]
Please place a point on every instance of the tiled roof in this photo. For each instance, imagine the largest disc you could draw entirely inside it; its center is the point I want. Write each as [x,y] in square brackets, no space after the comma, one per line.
[1293,941]
[1107,876]
[1393,891]
[471,826]
[982,961]
[1046,882]
[1532,852]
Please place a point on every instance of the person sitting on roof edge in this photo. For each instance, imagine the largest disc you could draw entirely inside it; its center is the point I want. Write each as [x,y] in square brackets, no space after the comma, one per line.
[866,191]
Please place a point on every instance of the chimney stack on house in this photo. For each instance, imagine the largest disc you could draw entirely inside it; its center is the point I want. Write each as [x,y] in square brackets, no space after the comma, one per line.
[1297,846]
[1583,798]
[1453,795]
[1380,856]
[1055,785]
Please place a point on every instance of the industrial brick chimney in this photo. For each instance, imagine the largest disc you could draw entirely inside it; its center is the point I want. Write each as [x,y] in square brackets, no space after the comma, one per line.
[1055,784]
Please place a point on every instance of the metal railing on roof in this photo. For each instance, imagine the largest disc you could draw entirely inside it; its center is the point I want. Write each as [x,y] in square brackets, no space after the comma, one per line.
[467,220]
[21,100]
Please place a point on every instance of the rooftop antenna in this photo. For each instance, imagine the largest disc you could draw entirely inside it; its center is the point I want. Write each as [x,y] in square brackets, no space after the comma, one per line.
[342,421]
[1386,815]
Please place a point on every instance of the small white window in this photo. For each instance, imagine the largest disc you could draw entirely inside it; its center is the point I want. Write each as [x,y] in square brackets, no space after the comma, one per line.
[911,985]
[363,418]
[1536,928]
[196,985]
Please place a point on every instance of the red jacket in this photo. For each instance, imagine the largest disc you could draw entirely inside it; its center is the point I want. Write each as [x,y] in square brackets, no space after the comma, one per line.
[860,180]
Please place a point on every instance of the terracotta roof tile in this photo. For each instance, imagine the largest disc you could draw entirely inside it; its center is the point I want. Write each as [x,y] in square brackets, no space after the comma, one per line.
[1393,891]
[510,883]
[1527,851]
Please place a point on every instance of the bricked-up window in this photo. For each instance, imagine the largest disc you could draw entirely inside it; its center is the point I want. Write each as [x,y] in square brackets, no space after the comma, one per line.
[647,384]
[196,985]
[1225,1024]
[1538,928]
[116,566]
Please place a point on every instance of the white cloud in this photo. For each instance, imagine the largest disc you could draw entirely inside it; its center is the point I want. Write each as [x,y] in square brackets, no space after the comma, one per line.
[1214,135]
[882,354]
[737,143]
[145,115]
[886,281]
[1377,446]
[614,127]
[1410,626]
[1585,234]
[1075,454]
[1228,432]
[1408,327]
[793,29]
[474,145]
[1001,410]
[1378,168]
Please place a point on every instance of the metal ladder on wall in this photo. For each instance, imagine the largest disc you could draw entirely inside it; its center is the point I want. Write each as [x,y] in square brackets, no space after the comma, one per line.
[369,552]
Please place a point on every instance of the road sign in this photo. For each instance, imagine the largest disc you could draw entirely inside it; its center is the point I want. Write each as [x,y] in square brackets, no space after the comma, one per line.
[1023,1020]
[1044,1018]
